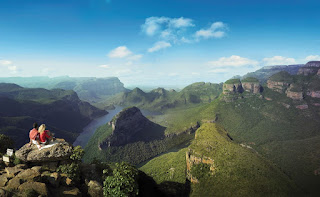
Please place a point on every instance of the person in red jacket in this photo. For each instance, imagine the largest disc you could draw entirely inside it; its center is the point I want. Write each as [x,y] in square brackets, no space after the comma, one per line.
[34,135]
[45,135]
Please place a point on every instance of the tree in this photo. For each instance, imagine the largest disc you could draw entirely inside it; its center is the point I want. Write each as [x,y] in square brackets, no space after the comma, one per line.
[123,181]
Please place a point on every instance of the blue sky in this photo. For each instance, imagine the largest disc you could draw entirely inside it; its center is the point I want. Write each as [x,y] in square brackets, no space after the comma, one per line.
[157,43]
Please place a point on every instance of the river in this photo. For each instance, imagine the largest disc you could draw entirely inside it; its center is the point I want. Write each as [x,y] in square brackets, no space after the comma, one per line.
[89,130]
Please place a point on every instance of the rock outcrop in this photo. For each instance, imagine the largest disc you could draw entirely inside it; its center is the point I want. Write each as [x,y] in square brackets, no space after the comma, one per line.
[192,158]
[233,88]
[279,82]
[131,126]
[59,151]
[294,92]
[310,68]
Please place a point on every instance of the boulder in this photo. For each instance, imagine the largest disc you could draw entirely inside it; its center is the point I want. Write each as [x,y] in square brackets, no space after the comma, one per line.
[40,188]
[59,151]
[29,175]
[66,191]
[65,180]
[12,171]
[95,189]
[3,180]
[13,183]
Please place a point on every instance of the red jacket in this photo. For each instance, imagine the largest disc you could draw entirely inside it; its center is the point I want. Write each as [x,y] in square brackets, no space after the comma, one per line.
[44,136]
[33,135]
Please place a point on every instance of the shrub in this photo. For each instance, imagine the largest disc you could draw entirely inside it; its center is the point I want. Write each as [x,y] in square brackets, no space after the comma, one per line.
[123,181]
[72,170]
[5,142]
[77,153]
[200,170]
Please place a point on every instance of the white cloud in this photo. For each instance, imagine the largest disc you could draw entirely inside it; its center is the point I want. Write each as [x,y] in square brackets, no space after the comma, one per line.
[216,30]
[104,66]
[164,25]
[313,58]
[195,73]
[181,22]
[129,63]
[158,46]
[232,61]
[5,62]
[120,52]
[278,60]
[135,57]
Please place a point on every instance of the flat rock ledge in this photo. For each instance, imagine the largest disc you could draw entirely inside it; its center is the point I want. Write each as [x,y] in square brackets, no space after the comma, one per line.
[58,152]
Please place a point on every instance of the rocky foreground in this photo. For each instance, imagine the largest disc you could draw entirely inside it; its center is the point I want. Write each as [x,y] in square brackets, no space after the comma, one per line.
[49,172]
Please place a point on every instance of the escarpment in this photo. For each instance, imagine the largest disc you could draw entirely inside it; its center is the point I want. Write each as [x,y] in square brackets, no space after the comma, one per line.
[233,89]
[310,68]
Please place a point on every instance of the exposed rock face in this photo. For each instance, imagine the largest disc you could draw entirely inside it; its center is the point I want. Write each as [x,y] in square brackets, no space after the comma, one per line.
[293,94]
[251,87]
[318,73]
[277,86]
[314,94]
[193,158]
[131,126]
[304,106]
[60,151]
[310,68]
[232,88]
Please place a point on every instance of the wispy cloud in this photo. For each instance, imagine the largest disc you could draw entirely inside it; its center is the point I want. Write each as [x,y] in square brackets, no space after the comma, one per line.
[165,26]
[104,66]
[179,30]
[13,69]
[278,60]
[120,52]
[313,58]
[232,61]
[158,46]
[216,30]
[5,62]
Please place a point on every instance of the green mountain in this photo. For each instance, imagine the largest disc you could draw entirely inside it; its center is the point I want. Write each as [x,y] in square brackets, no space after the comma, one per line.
[133,138]
[61,110]
[160,99]
[264,73]
[88,88]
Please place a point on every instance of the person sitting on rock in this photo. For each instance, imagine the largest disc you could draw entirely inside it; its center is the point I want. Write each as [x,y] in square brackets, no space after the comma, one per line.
[34,135]
[45,135]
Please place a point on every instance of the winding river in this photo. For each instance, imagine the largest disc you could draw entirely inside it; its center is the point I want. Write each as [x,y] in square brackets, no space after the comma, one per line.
[89,130]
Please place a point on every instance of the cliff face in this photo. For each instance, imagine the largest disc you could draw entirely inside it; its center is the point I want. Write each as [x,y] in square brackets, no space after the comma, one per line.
[310,68]
[233,88]
[294,93]
[277,86]
[131,126]
[251,87]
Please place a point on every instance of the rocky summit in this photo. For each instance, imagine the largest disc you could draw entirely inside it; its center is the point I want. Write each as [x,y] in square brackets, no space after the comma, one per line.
[59,151]
[131,126]
[309,68]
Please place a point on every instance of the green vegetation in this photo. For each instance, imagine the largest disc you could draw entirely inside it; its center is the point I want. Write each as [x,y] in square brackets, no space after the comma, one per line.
[200,171]
[282,76]
[5,142]
[250,80]
[122,182]
[232,81]
[169,166]
[238,171]
[77,153]
[134,153]
[72,170]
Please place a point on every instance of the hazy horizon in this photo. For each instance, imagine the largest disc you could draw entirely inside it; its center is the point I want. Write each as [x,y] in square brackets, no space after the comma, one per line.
[155,43]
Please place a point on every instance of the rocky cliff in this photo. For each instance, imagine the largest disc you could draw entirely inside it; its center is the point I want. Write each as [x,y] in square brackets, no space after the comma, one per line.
[130,126]
[309,68]
[233,88]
